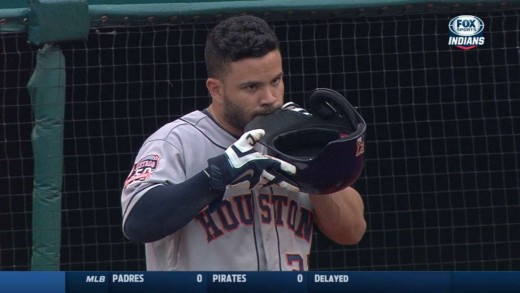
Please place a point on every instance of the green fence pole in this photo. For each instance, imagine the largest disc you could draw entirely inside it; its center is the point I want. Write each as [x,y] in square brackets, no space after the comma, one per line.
[47,90]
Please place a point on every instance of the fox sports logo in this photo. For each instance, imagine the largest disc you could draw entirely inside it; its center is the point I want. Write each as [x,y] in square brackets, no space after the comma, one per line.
[466,32]
[466,25]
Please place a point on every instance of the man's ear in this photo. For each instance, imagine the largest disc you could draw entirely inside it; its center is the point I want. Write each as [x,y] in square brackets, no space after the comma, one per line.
[215,89]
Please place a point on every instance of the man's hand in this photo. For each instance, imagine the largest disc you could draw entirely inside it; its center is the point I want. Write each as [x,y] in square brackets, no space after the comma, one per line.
[294,107]
[242,163]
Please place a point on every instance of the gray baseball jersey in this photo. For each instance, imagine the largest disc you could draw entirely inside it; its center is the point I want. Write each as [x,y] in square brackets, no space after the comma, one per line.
[263,229]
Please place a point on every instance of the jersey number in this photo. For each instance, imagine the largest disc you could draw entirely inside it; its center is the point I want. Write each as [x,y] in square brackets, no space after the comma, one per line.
[295,261]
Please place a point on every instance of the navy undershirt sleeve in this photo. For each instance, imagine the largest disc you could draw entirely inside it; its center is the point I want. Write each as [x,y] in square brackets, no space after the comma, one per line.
[165,209]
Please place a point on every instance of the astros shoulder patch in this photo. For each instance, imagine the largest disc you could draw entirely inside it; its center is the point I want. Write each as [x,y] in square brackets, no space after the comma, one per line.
[143,169]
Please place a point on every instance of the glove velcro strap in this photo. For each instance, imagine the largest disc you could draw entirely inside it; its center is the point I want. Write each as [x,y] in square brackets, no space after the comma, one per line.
[217,176]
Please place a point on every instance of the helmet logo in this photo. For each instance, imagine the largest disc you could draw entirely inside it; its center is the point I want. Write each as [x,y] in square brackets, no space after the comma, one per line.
[360,146]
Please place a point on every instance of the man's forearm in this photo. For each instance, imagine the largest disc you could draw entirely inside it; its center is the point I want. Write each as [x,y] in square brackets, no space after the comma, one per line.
[340,215]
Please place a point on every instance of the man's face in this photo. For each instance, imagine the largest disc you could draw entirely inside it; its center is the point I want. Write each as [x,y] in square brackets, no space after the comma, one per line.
[251,87]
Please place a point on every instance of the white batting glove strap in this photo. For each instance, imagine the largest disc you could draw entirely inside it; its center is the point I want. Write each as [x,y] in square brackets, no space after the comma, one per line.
[272,179]
[286,167]
[267,179]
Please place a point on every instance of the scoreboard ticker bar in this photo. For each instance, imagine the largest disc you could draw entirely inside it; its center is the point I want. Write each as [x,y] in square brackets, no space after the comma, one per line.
[294,282]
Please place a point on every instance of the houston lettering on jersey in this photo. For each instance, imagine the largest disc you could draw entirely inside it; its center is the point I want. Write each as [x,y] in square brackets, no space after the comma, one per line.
[274,209]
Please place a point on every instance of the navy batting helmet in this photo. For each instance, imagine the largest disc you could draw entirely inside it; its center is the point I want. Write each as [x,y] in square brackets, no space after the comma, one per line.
[326,144]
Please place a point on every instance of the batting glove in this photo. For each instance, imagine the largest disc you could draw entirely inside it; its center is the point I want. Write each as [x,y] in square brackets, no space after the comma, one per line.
[242,163]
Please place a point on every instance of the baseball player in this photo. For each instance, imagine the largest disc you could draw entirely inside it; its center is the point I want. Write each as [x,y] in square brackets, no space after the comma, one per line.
[201,194]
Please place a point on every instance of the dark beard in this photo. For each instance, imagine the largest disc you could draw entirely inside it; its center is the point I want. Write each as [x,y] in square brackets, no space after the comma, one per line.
[234,115]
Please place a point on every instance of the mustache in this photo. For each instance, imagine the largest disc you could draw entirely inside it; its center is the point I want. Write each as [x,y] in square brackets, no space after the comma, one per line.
[267,110]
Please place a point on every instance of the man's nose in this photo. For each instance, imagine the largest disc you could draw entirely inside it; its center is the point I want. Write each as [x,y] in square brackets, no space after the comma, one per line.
[268,97]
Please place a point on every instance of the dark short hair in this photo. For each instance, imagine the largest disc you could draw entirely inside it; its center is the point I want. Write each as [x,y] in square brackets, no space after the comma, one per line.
[236,38]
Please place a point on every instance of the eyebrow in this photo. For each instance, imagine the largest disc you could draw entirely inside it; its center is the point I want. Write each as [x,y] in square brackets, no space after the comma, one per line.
[253,82]
[279,75]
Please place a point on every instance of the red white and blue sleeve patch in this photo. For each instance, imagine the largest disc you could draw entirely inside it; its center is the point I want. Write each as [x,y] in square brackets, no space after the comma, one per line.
[143,169]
